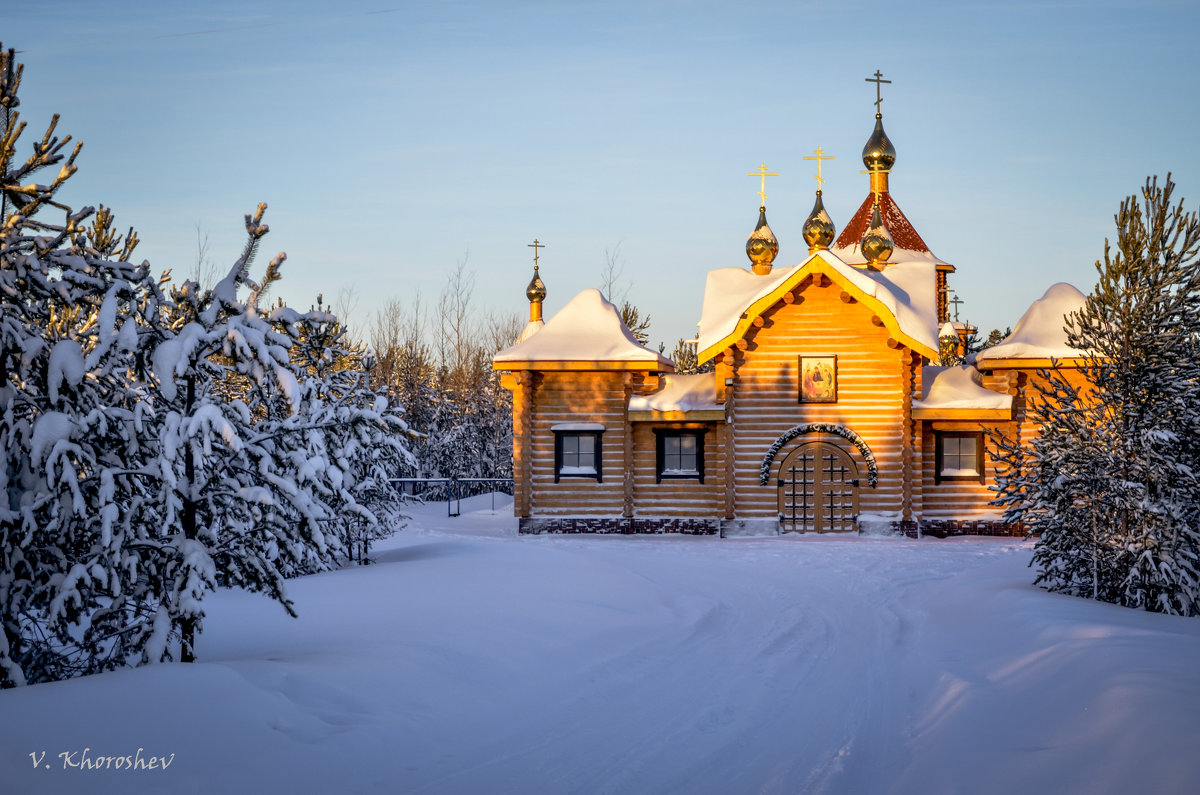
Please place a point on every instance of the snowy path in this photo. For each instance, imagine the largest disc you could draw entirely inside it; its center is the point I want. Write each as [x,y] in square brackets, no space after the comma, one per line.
[473,661]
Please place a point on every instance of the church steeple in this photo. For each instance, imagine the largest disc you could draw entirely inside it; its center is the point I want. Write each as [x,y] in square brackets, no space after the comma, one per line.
[536,293]
[818,227]
[879,155]
[761,246]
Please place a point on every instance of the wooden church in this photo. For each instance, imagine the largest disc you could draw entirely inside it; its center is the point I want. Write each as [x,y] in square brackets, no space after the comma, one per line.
[824,411]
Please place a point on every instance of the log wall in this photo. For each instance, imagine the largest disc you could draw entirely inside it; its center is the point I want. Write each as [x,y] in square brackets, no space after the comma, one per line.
[956,499]
[563,397]
[965,500]
[872,380]
[682,497]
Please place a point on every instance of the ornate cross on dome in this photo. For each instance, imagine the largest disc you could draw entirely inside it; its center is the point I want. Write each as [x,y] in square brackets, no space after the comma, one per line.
[878,81]
[535,245]
[762,174]
[819,155]
[956,301]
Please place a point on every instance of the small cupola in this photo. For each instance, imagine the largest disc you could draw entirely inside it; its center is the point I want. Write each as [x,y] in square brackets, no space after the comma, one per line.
[818,227]
[877,244]
[536,293]
[761,246]
[879,155]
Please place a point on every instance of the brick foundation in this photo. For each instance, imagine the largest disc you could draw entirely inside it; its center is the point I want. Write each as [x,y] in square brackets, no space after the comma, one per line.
[618,525]
[944,528]
[938,528]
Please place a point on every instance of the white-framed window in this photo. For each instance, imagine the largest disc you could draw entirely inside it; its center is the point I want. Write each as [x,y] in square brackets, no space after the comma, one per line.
[959,456]
[577,455]
[680,454]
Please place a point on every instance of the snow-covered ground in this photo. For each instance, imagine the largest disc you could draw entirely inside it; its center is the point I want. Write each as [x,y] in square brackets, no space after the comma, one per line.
[471,660]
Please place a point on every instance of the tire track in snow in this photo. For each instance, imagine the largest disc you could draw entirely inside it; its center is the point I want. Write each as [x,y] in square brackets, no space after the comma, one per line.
[730,660]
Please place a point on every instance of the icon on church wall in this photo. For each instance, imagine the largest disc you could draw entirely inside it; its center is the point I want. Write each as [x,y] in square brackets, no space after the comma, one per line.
[818,379]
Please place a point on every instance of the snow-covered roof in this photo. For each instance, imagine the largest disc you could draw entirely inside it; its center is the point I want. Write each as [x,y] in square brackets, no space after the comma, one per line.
[589,330]
[1040,333]
[531,328]
[907,291]
[680,393]
[958,388]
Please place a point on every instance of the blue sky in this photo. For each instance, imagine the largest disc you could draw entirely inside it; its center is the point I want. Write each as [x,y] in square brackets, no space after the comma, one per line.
[394,140]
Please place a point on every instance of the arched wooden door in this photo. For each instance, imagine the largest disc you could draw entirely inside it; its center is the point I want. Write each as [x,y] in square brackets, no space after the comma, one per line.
[818,490]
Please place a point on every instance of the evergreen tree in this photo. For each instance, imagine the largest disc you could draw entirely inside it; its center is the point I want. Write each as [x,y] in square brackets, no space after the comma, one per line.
[638,326]
[363,507]
[995,337]
[156,446]
[972,344]
[69,338]
[404,362]
[452,398]
[1112,485]
[686,361]
[260,460]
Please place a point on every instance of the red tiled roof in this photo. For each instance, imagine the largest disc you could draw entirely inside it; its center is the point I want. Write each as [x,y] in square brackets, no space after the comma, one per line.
[902,232]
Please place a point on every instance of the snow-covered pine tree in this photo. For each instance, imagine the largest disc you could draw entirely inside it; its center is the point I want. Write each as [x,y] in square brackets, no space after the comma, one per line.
[68,339]
[686,360]
[363,435]
[248,478]
[1112,485]
[153,448]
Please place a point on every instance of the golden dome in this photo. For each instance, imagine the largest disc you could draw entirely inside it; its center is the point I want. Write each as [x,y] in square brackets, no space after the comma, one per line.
[536,291]
[762,246]
[879,154]
[877,244]
[818,229]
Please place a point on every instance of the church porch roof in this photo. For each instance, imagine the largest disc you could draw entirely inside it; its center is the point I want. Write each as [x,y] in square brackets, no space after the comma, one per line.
[679,397]
[950,393]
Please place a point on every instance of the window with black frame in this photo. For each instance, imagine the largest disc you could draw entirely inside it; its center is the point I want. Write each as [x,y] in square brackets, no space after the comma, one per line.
[680,454]
[959,456]
[577,455]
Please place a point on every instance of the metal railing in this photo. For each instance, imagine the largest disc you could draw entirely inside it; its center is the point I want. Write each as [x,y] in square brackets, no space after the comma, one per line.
[455,489]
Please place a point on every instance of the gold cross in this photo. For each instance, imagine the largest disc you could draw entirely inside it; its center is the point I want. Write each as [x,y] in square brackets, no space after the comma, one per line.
[762,174]
[878,80]
[819,156]
[535,245]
